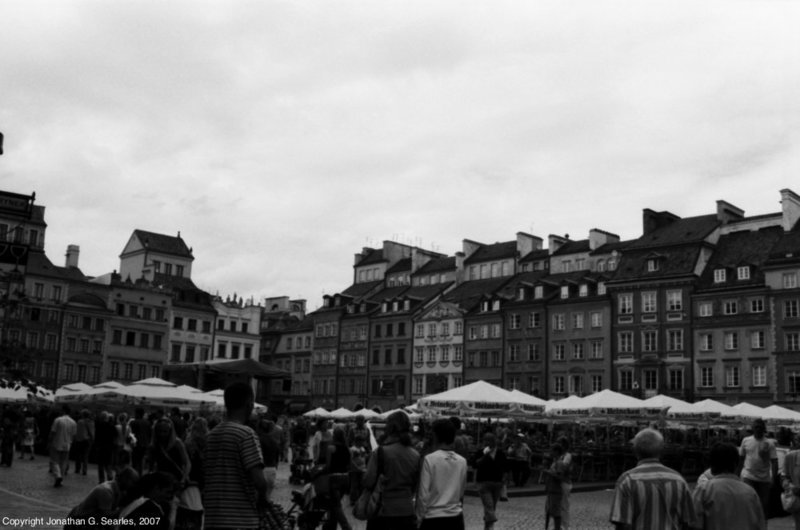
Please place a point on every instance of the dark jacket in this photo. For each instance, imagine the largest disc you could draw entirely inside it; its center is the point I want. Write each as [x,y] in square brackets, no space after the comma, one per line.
[488,469]
[400,477]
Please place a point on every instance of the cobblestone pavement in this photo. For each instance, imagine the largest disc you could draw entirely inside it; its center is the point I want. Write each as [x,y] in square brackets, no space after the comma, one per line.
[26,491]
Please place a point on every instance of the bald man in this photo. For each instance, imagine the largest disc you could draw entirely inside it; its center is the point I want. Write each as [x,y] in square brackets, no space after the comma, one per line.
[651,496]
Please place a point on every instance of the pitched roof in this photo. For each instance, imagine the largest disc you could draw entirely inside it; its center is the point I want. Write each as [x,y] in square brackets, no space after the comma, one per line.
[358,290]
[608,248]
[742,248]
[373,255]
[402,265]
[673,261]
[573,247]
[493,252]
[438,265]
[40,265]
[468,294]
[681,231]
[535,255]
[163,243]
[787,249]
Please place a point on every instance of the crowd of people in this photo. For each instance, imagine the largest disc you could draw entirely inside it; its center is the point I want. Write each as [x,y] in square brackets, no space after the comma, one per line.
[197,471]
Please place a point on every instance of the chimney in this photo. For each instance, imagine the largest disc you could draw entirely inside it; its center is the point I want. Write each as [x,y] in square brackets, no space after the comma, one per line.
[73,251]
[790,204]
[652,221]
[598,238]
[727,212]
[527,243]
[555,242]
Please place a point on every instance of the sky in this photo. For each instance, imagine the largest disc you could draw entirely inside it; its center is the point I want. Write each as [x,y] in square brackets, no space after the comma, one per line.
[279,137]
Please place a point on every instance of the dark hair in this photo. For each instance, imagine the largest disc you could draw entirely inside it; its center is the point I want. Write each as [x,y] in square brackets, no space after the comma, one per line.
[151,481]
[724,458]
[139,412]
[564,442]
[399,425]
[557,449]
[237,396]
[456,421]
[444,431]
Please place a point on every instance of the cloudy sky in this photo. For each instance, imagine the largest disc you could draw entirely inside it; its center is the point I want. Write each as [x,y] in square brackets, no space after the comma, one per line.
[281,137]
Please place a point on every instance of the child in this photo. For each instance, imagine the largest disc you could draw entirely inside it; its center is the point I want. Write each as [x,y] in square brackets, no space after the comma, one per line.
[29,432]
[552,486]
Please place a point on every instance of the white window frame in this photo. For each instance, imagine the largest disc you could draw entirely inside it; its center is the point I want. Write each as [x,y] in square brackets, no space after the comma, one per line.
[719,275]
[743,272]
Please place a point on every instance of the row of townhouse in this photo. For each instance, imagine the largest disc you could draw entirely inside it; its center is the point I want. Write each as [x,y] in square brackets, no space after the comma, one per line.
[696,307]
[61,326]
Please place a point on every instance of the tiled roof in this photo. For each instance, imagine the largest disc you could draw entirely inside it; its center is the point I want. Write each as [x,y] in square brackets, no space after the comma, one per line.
[535,255]
[438,265]
[739,249]
[389,293]
[404,265]
[573,247]
[468,294]
[162,243]
[40,265]
[374,255]
[173,282]
[523,278]
[673,261]
[426,292]
[681,231]
[358,290]
[608,248]
[787,249]
[493,252]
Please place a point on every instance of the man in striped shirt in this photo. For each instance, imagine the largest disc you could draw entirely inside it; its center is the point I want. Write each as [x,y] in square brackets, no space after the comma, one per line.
[235,487]
[651,496]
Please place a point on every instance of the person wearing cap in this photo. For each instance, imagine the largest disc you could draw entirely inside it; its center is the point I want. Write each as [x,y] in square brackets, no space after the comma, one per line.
[759,460]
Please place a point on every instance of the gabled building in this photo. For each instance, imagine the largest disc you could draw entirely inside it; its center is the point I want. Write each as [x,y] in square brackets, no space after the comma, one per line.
[86,320]
[438,346]
[293,354]
[326,321]
[353,352]
[237,329]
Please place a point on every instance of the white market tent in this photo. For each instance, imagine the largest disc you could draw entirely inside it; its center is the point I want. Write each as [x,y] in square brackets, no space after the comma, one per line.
[318,412]
[527,398]
[10,395]
[340,414]
[663,402]
[778,413]
[477,398]
[413,416]
[605,402]
[746,409]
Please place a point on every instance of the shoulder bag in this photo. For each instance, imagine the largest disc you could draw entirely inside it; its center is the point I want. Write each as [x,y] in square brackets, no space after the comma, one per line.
[369,503]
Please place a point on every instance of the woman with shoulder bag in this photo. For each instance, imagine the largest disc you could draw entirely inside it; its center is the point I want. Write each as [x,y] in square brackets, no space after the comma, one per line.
[168,455]
[399,476]
[337,463]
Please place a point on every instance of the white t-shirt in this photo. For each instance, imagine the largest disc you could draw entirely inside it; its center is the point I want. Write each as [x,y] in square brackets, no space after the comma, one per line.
[442,482]
[758,456]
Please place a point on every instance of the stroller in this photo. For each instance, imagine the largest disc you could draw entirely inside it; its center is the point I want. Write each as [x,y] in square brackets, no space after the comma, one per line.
[309,507]
[301,465]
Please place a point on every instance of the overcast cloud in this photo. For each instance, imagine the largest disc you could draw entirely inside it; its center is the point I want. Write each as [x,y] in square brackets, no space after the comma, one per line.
[281,137]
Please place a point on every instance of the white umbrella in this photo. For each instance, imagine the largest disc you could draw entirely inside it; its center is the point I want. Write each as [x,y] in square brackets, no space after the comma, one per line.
[318,412]
[340,414]
[778,413]
[663,402]
[746,409]
[478,398]
[10,395]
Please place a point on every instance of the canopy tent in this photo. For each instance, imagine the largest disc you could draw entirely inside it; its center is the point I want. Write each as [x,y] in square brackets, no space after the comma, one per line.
[605,403]
[661,401]
[10,395]
[478,398]
[778,413]
[245,367]
[746,409]
[527,398]
[340,414]
[568,402]
[704,410]
[318,412]
[413,416]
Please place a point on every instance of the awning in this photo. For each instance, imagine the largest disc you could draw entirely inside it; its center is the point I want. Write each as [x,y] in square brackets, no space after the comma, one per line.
[246,366]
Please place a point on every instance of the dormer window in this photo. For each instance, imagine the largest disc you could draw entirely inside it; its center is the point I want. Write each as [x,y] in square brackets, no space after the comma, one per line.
[384,307]
[485,306]
[538,292]
[583,290]
[363,308]
[521,293]
[719,275]
[351,309]
[743,273]
[406,305]
[601,288]
[394,305]
[565,291]
[652,265]
[496,305]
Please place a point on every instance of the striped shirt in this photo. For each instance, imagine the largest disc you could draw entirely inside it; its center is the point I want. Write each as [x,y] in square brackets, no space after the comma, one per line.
[652,496]
[229,499]
[725,502]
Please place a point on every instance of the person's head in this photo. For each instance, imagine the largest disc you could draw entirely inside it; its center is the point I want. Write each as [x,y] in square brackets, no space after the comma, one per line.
[122,419]
[65,410]
[648,443]
[456,421]
[198,429]
[784,437]
[127,478]
[490,440]
[164,432]
[86,414]
[176,412]
[759,428]
[444,432]
[139,413]
[339,436]
[359,421]
[724,458]
[564,441]
[239,400]
[265,426]
[398,425]
[158,486]
[556,450]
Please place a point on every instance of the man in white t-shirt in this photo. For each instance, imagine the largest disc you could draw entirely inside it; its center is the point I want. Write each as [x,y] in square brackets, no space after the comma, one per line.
[759,462]
[442,481]
[62,433]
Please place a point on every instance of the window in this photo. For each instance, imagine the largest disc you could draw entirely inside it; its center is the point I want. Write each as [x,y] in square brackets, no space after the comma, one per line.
[234,351]
[168,269]
[625,342]
[743,273]
[706,309]
[177,323]
[156,342]
[674,300]
[538,292]
[419,354]
[577,350]
[649,300]
[597,383]
[496,333]
[222,350]
[675,379]
[38,290]
[793,379]
[387,356]
[576,384]
[128,367]
[652,265]
[706,341]
[625,304]
[221,326]
[675,340]
[757,305]
[534,320]
[473,332]
[793,341]
[484,331]
[706,376]
[431,354]
[445,358]
[731,340]
[596,318]
[565,291]
[601,288]
[114,370]
[513,352]
[650,379]
[558,352]
[483,359]
[719,275]
[583,290]
[558,321]
[420,331]
[533,352]
[191,324]
[649,340]
[459,328]
[142,371]
[418,381]
[144,340]
[732,376]
[514,321]
[759,375]
[577,320]
[790,309]
[233,325]
[495,358]
[730,307]
[757,339]
[597,349]
[626,380]
[179,270]
[789,280]
[558,384]
[458,353]
[56,293]
[156,266]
